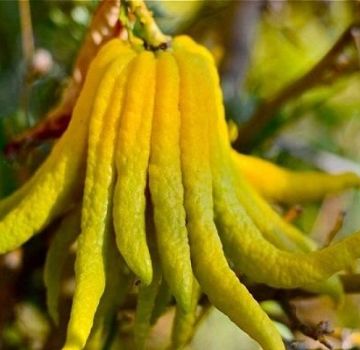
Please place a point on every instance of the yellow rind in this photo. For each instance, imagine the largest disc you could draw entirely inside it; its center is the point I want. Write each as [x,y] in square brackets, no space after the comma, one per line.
[331,287]
[165,182]
[56,257]
[118,281]
[148,295]
[132,157]
[165,120]
[264,262]
[211,269]
[96,209]
[145,308]
[80,125]
[282,234]
[290,187]
[249,250]
[162,301]
[57,183]
[184,322]
[272,226]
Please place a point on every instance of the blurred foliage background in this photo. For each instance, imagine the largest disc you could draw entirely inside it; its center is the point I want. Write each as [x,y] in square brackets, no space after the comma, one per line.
[263,49]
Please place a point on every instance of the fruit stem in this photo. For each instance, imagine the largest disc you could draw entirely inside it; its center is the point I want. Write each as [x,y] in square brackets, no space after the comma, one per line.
[153,37]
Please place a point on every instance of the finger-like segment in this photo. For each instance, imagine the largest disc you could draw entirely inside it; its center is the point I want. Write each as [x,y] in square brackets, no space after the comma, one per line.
[77,130]
[262,261]
[165,181]
[57,183]
[118,282]
[208,260]
[281,234]
[247,248]
[273,227]
[276,231]
[7,203]
[96,208]
[56,258]
[148,295]
[331,287]
[132,158]
[162,301]
[283,185]
[145,307]
[184,322]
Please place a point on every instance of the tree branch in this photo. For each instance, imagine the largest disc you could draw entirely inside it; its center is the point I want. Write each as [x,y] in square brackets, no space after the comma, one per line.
[28,48]
[27,39]
[328,69]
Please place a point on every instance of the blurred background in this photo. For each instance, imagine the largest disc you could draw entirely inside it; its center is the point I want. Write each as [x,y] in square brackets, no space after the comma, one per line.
[290,77]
